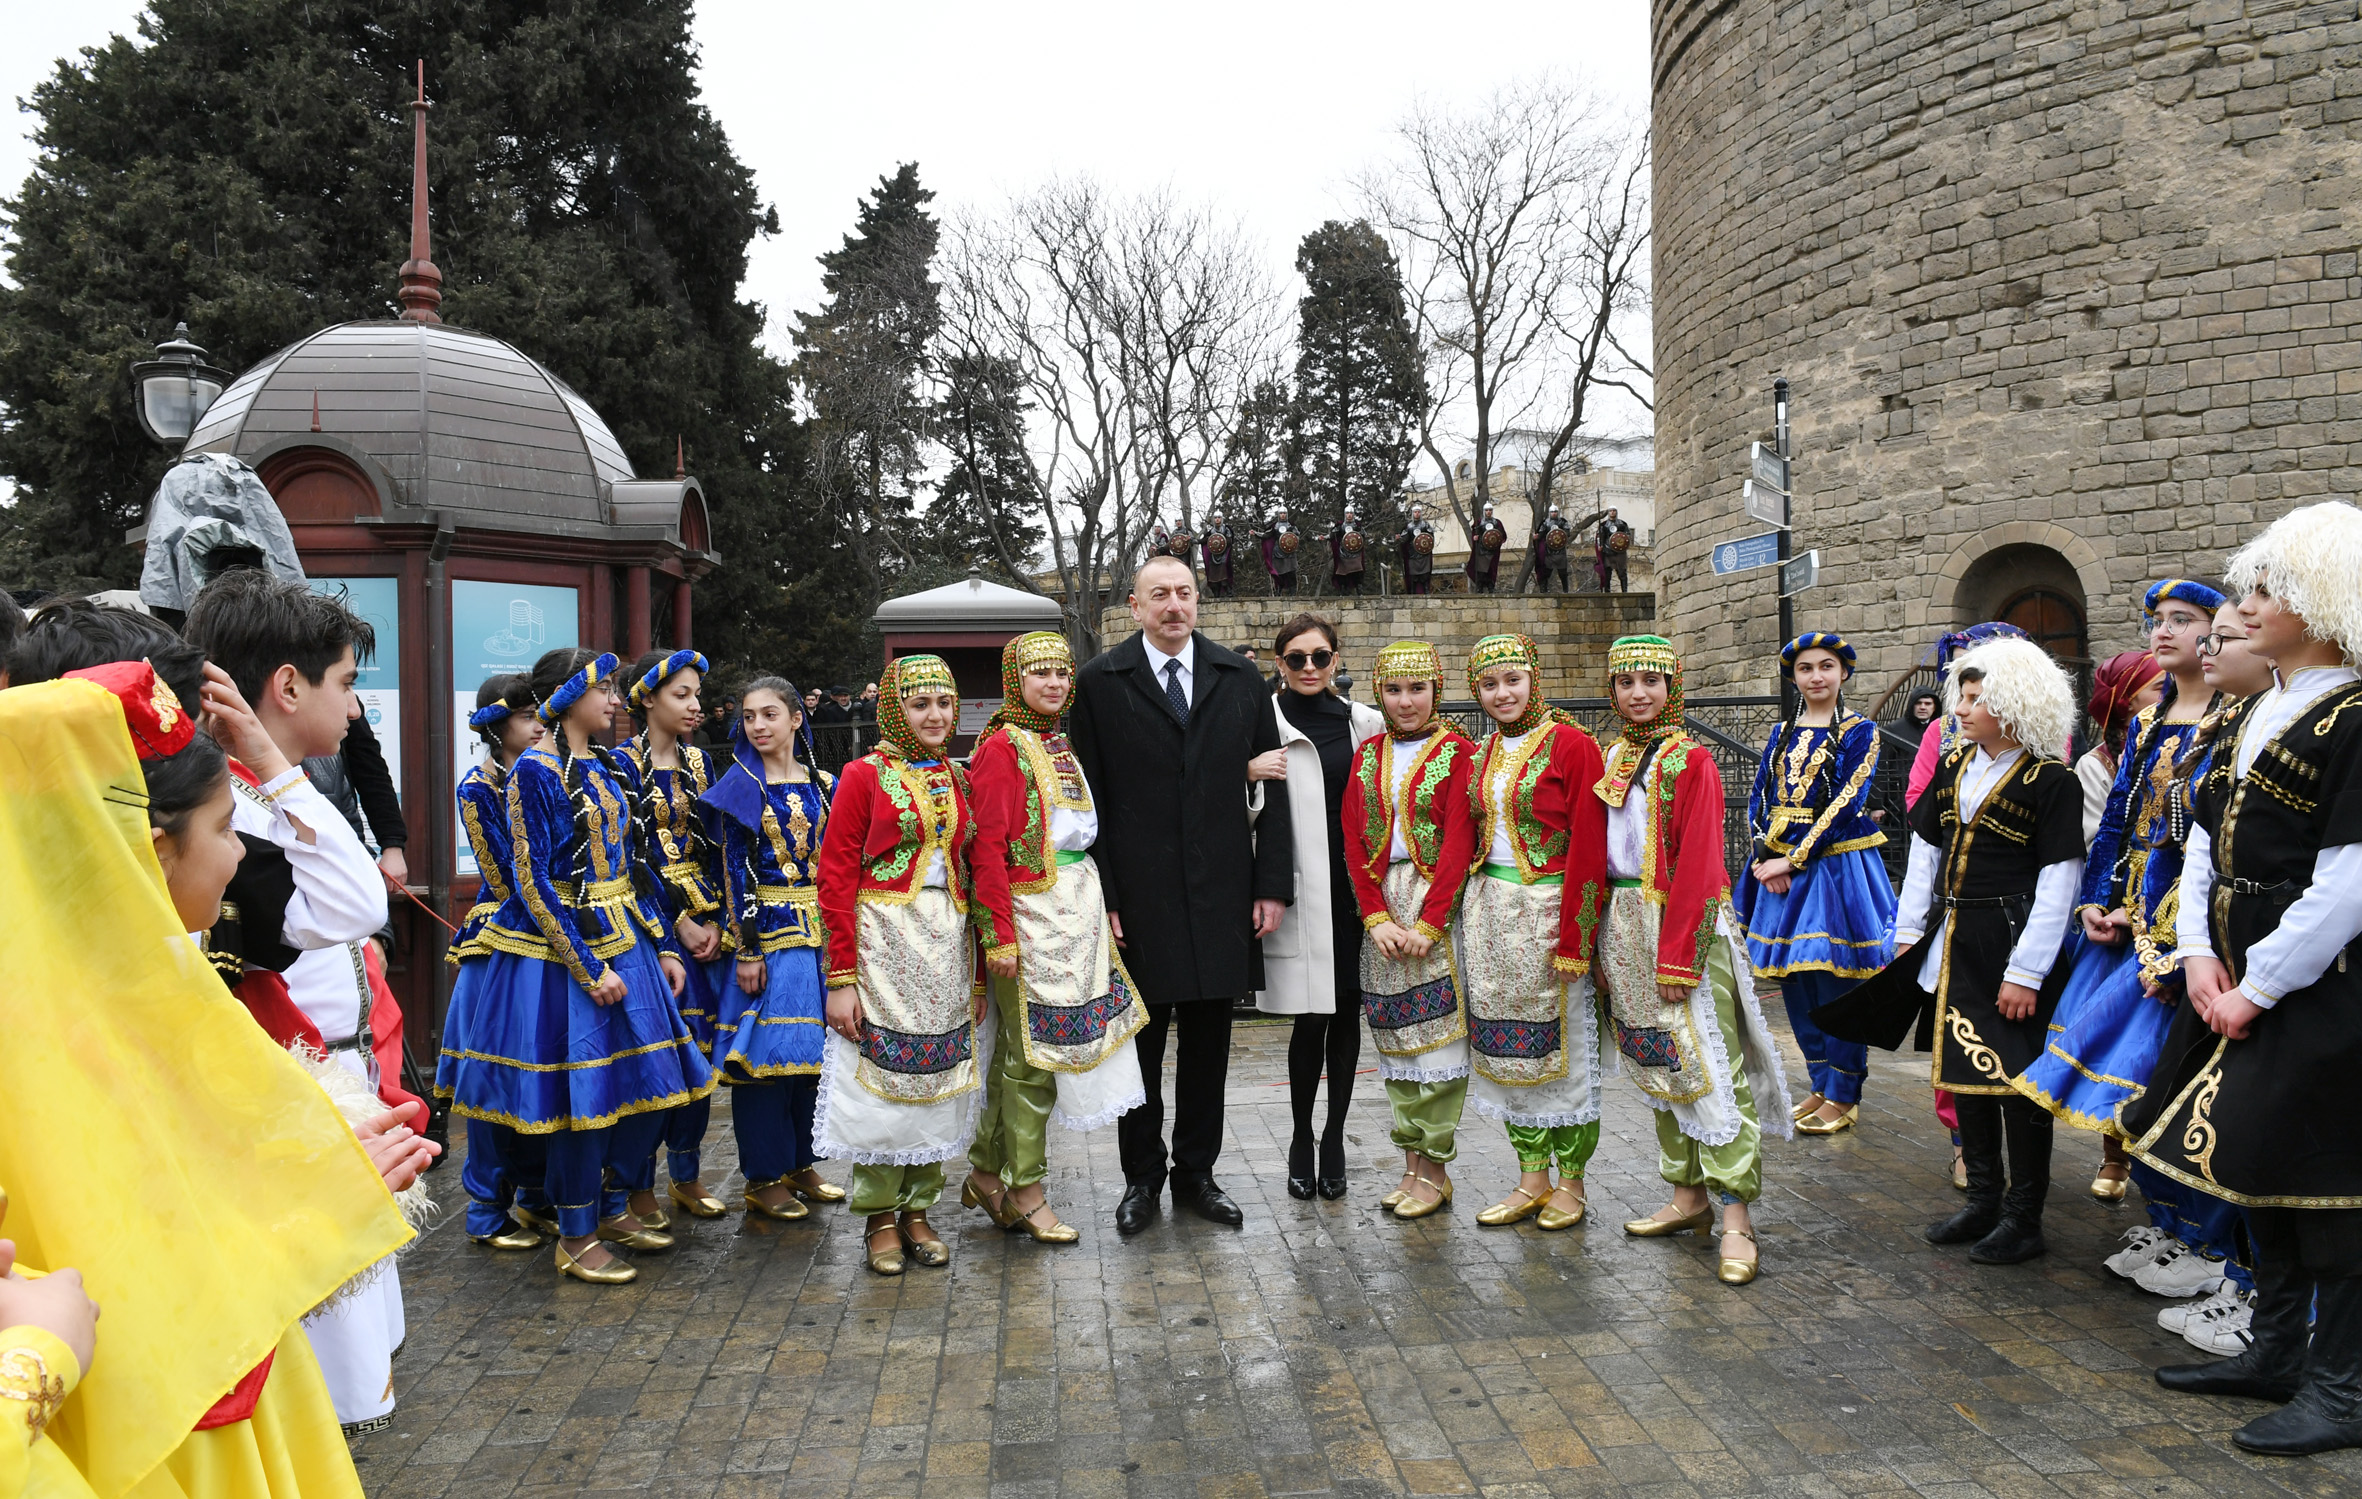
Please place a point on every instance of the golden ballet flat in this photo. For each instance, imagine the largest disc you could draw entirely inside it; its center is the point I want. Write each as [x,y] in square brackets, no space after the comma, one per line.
[809,1183]
[1391,1198]
[885,1261]
[650,1239]
[970,1197]
[548,1224]
[1814,1124]
[1809,1106]
[1518,1206]
[515,1236]
[655,1218]
[2109,1188]
[1057,1233]
[1553,1218]
[613,1273]
[787,1211]
[1414,1206]
[1666,1228]
[932,1253]
[1738,1272]
[1959,1173]
[696,1202]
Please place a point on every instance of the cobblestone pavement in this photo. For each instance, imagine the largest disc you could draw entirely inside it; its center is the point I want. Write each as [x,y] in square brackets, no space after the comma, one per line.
[1326,1348]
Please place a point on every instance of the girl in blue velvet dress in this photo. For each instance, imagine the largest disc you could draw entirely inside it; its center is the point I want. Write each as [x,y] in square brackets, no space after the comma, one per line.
[504,1169]
[680,860]
[569,1028]
[1814,901]
[774,808]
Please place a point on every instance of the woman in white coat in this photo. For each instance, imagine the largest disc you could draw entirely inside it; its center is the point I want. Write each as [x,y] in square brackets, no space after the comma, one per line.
[1312,964]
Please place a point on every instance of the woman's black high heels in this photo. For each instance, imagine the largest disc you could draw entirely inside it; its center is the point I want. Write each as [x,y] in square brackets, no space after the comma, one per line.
[1331,1184]
[1300,1183]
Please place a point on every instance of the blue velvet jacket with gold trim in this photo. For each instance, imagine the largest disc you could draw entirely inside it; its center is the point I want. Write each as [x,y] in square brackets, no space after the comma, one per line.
[679,847]
[773,886]
[573,897]
[1812,791]
[483,816]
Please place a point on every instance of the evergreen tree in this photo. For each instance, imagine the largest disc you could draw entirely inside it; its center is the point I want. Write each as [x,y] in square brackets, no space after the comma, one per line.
[861,363]
[1258,475]
[247,168]
[986,511]
[1353,427]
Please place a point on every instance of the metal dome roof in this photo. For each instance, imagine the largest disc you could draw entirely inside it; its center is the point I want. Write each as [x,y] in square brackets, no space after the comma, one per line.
[970,605]
[456,422]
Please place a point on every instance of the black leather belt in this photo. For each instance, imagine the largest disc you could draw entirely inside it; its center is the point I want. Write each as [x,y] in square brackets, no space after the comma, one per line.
[2254,887]
[1982,902]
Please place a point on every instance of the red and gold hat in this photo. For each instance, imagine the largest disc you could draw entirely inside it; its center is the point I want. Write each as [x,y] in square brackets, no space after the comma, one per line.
[159,725]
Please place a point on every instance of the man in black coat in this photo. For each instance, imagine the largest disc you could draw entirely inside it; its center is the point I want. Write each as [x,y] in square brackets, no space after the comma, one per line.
[1164,725]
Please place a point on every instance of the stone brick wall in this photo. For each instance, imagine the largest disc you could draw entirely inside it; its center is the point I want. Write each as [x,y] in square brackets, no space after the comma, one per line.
[2066,290]
[1573,630]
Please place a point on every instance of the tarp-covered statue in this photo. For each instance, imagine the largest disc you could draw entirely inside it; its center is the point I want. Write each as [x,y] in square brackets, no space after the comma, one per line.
[211,514]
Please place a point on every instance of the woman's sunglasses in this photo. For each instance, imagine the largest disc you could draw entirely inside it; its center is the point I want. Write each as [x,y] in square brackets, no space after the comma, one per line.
[1313,660]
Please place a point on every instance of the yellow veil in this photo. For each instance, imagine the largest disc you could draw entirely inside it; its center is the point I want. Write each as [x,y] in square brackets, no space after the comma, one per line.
[151,1135]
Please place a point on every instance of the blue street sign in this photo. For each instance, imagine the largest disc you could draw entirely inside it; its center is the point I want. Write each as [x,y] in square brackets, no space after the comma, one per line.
[1747,552]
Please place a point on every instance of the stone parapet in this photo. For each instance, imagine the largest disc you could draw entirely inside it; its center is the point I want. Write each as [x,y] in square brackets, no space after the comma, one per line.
[1573,630]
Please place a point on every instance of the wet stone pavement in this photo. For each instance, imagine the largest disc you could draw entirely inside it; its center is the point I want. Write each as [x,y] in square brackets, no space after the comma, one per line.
[1328,1349]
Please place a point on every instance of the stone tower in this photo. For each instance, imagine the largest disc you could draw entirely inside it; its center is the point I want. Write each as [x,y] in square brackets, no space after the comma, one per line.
[2066,290]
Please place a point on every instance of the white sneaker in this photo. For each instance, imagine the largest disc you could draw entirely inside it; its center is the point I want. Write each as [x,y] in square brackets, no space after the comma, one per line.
[2179,1316]
[2141,1246]
[2180,1271]
[2224,1330]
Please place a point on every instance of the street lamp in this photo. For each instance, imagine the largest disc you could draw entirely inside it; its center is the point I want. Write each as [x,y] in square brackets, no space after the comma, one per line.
[175,387]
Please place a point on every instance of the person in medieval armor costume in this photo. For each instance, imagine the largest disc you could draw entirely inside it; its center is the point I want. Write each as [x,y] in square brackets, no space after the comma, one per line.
[1674,983]
[1349,552]
[1417,550]
[1609,550]
[1220,548]
[2252,1093]
[1282,543]
[1484,552]
[1996,858]
[1553,549]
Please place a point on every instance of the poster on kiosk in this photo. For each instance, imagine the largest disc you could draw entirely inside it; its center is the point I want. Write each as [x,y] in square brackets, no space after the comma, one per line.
[379,686]
[496,629]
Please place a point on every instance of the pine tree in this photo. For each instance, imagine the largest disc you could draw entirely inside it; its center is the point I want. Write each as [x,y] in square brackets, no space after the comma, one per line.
[986,512]
[1352,429]
[861,364]
[247,168]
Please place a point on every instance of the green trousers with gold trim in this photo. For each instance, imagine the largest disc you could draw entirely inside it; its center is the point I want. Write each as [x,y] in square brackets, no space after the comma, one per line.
[1732,1172]
[1570,1145]
[895,1189]
[1427,1116]
[1012,1136]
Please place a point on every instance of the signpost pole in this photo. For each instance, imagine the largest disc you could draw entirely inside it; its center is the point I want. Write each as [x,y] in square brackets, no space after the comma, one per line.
[1787,520]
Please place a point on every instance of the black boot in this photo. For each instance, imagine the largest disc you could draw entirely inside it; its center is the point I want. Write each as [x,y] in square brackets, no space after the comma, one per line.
[1980,1152]
[2326,1411]
[2018,1236]
[2272,1364]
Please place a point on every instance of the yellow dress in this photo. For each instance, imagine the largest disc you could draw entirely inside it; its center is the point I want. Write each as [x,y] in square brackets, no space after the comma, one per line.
[237,1197]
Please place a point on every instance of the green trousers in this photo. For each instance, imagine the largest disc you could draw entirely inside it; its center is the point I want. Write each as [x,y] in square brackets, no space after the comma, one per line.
[1537,1145]
[1733,1172]
[1012,1134]
[1427,1116]
[895,1189]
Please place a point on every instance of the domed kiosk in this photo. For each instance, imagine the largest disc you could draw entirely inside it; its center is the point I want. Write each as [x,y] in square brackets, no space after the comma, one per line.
[479,512]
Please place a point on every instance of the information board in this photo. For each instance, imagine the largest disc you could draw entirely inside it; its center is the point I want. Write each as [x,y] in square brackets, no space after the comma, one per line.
[379,687]
[497,628]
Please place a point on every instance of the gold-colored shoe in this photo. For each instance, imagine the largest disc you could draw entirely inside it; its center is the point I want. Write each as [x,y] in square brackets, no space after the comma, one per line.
[932,1253]
[1414,1206]
[695,1201]
[614,1273]
[515,1236]
[1553,1218]
[547,1223]
[1811,1105]
[1003,1216]
[1959,1172]
[1057,1232]
[2109,1188]
[885,1261]
[1738,1272]
[787,1211]
[809,1183]
[1666,1228]
[642,1237]
[1518,1206]
[1814,1124]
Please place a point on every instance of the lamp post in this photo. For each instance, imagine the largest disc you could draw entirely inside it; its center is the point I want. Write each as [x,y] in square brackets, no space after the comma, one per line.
[175,387]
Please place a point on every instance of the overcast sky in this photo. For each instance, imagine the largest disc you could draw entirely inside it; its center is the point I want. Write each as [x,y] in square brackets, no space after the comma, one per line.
[1265,110]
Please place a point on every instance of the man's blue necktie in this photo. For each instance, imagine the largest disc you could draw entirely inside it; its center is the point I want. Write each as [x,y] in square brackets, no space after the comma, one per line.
[1174,694]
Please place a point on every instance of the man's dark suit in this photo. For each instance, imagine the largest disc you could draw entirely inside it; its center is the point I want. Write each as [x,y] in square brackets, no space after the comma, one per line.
[1180,867]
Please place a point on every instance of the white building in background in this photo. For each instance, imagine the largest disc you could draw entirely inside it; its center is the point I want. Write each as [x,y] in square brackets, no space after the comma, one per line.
[1615,473]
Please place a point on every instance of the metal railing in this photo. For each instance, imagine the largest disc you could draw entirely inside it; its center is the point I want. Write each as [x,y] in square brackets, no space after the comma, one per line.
[835,745]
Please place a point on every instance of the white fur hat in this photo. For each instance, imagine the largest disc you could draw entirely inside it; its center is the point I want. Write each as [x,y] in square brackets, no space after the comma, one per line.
[2023,688]
[2311,561]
